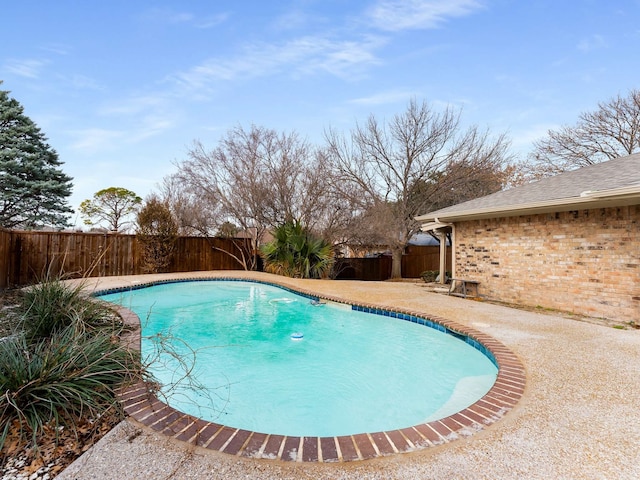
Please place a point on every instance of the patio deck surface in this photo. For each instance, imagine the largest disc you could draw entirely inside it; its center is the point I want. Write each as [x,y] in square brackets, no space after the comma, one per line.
[579,416]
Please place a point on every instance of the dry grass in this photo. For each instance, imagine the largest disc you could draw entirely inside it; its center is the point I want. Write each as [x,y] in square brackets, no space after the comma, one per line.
[61,447]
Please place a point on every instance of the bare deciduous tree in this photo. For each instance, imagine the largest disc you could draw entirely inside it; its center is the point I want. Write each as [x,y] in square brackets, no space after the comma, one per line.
[199,214]
[255,179]
[396,171]
[196,216]
[251,175]
[611,131]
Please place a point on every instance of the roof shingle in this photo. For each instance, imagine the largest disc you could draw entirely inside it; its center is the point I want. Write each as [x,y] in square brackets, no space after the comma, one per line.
[613,174]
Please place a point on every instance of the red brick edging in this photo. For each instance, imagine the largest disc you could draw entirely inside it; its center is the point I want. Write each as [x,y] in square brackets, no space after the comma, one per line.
[142,405]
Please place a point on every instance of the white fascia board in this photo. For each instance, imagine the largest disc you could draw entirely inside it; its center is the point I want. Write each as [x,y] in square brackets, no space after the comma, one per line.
[622,192]
[591,199]
[425,227]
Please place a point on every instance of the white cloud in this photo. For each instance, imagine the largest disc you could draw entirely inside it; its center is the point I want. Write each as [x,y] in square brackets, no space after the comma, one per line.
[292,20]
[84,82]
[211,20]
[57,48]
[91,140]
[134,119]
[343,58]
[383,98]
[301,56]
[395,15]
[172,17]
[95,140]
[150,126]
[522,139]
[134,105]
[26,68]
[593,42]
[167,15]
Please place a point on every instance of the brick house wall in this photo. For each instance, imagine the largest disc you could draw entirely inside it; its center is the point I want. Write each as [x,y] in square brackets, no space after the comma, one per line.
[586,262]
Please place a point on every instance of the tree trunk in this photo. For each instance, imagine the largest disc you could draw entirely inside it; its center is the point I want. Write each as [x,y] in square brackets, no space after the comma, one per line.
[396,262]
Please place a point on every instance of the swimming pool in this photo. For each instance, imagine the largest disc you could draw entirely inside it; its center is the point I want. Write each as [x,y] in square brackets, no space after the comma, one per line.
[351,372]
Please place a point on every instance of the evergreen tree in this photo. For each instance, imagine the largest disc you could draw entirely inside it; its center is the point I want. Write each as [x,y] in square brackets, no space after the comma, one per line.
[113,206]
[33,188]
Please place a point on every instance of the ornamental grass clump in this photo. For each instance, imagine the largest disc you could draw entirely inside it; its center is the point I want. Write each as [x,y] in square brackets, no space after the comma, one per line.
[59,379]
[53,305]
[62,364]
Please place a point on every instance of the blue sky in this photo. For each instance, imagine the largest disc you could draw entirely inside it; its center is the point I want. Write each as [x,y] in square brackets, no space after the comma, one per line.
[122,88]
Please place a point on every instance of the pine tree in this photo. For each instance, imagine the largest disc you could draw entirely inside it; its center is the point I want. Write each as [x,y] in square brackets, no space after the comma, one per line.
[33,188]
[112,206]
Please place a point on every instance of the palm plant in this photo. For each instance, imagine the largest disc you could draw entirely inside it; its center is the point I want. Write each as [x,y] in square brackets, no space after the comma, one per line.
[295,252]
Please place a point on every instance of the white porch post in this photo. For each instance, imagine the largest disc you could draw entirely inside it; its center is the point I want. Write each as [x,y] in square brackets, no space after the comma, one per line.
[442,236]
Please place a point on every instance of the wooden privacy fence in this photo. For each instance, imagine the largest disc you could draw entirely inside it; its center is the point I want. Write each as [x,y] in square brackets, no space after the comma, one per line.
[416,260]
[26,257]
[371,269]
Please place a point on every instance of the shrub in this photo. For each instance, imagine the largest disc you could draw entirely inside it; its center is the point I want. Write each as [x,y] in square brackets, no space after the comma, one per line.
[157,234]
[430,276]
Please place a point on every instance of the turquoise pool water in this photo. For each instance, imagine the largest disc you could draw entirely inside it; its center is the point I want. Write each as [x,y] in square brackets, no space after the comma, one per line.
[350,372]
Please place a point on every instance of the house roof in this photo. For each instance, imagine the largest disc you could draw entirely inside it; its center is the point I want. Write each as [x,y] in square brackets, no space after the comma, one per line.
[612,183]
[423,240]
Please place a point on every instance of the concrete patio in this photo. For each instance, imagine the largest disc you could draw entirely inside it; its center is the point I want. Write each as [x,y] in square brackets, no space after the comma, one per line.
[578,419]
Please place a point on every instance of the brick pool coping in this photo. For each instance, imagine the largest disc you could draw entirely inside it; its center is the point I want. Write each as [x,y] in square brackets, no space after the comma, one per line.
[141,404]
